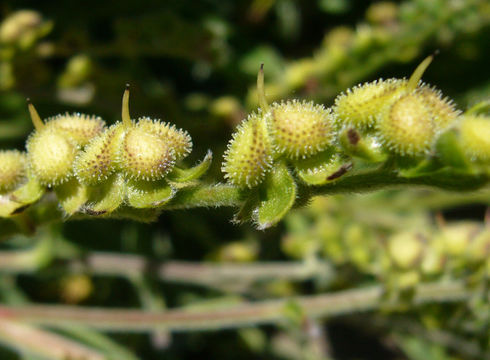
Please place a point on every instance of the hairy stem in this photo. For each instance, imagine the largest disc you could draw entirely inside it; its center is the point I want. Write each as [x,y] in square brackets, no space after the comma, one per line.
[214,195]
[219,195]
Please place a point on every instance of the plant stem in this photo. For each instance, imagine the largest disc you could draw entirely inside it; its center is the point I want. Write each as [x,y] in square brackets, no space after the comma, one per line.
[214,195]
[29,339]
[263,312]
[132,266]
[219,195]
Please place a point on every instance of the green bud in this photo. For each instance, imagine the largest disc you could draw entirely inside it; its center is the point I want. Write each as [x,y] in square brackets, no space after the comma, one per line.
[249,155]
[12,170]
[301,129]
[98,160]
[177,139]
[23,27]
[455,238]
[50,156]
[359,107]
[405,249]
[79,127]
[475,137]
[145,156]
[406,127]
[443,111]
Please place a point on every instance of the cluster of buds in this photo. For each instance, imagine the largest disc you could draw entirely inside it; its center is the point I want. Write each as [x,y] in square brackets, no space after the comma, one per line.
[397,119]
[404,116]
[289,131]
[96,169]
[400,250]
[451,249]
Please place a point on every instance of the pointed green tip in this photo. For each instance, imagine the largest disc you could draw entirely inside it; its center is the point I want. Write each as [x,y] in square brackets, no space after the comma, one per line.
[261,89]
[419,71]
[126,118]
[36,119]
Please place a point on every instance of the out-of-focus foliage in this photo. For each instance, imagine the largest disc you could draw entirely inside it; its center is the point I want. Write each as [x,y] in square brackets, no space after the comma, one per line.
[192,63]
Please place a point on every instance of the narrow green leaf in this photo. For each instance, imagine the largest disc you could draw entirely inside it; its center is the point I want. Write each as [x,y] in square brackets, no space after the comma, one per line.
[72,196]
[106,197]
[148,194]
[277,195]
[19,200]
[29,193]
[184,175]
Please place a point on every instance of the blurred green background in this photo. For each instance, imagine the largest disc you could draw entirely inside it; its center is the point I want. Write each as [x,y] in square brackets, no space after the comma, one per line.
[194,63]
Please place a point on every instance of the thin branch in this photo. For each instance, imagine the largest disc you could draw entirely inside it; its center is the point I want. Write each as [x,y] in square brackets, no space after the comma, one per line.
[131,266]
[29,339]
[263,312]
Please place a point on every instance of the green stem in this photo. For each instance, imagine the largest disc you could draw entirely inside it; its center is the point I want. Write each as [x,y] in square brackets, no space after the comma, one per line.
[214,195]
[263,312]
[134,266]
[219,195]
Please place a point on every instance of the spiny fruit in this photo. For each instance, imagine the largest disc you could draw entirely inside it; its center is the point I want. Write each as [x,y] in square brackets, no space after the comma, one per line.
[443,110]
[98,160]
[50,156]
[409,123]
[144,155]
[300,129]
[475,136]
[249,154]
[406,126]
[50,152]
[362,106]
[359,106]
[80,127]
[177,139]
[12,169]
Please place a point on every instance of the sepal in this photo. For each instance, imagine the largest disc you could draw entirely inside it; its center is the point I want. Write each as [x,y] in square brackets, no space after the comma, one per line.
[143,194]
[277,195]
[72,196]
[179,175]
[322,168]
[107,196]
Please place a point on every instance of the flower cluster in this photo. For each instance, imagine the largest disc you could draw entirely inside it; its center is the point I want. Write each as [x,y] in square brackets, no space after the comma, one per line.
[405,116]
[404,121]
[398,129]
[94,168]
